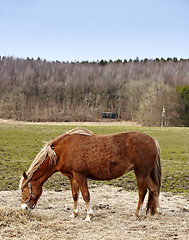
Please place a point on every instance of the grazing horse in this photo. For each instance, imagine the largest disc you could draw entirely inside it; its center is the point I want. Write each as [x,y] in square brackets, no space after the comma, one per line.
[79,155]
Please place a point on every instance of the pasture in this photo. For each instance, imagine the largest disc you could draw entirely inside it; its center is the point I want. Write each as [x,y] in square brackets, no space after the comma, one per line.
[114,202]
[20,143]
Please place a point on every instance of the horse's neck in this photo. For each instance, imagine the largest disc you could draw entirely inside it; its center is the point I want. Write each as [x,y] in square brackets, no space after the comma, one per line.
[43,173]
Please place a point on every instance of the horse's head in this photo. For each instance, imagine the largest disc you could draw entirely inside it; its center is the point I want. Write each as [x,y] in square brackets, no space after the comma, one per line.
[30,193]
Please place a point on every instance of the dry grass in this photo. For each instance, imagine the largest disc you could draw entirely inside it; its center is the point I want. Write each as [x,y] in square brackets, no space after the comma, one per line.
[113,209]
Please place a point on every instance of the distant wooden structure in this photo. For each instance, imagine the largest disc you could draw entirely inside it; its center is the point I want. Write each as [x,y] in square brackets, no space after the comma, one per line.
[109,115]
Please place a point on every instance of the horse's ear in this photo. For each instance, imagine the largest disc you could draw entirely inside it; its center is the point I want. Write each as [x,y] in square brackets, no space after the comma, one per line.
[25,175]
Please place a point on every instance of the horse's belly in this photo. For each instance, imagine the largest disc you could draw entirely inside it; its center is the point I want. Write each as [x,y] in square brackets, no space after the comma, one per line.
[111,171]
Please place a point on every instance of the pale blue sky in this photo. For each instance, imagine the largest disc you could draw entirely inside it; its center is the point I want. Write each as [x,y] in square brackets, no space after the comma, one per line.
[69,30]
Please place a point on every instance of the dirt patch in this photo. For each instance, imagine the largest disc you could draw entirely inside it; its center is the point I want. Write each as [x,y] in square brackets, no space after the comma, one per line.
[113,209]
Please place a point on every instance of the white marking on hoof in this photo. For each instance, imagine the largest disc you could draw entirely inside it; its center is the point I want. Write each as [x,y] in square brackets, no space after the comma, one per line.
[135,217]
[74,214]
[88,218]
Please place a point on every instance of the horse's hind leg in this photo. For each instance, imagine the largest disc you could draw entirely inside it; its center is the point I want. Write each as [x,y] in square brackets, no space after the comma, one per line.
[75,194]
[142,189]
[153,199]
[82,183]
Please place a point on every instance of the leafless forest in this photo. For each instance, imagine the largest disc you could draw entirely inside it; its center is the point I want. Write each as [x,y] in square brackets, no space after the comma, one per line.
[37,90]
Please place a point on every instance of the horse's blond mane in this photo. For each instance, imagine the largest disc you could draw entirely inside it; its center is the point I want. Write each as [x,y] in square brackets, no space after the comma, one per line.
[39,159]
[82,131]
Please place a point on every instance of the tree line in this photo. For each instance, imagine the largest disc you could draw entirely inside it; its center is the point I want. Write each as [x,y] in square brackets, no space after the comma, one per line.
[136,90]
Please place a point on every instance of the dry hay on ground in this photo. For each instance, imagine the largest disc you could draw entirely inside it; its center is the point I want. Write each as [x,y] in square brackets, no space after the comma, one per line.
[113,209]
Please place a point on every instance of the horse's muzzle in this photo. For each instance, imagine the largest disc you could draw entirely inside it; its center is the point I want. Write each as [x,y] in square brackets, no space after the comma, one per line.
[24,206]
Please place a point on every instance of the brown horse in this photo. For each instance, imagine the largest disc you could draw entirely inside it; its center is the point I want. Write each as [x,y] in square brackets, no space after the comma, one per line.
[79,155]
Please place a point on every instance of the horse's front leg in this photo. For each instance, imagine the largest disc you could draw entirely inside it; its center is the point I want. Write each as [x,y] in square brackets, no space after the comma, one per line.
[90,212]
[75,194]
[82,183]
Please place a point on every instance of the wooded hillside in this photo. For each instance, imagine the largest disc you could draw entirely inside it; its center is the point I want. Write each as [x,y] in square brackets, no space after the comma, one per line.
[37,90]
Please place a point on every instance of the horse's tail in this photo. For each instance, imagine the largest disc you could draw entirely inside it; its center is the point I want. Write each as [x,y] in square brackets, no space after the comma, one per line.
[156,175]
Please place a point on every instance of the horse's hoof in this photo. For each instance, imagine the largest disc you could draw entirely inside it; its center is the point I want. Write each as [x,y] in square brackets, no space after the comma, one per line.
[135,217]
[89,218]
[159,211]
[74,215]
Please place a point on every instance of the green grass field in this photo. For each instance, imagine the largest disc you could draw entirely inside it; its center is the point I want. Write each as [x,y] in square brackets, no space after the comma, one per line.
[21,142]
